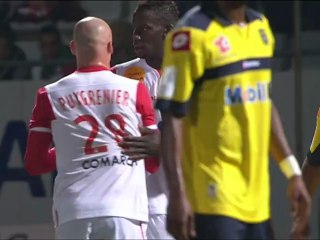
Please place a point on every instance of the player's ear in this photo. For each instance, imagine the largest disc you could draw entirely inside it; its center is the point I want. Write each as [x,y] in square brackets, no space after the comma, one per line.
[110,47]
[72,46]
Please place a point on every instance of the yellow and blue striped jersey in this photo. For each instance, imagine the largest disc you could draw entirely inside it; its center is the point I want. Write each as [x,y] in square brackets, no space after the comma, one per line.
[216,75]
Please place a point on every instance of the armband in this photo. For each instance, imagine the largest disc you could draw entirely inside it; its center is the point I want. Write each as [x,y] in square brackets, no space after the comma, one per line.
[290,167]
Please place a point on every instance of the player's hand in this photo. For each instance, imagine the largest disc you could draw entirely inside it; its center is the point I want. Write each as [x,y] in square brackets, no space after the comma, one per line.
[180,218]
[301,206]
[147,145]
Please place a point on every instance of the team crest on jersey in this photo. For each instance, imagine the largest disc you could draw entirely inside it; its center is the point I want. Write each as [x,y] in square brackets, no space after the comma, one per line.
[136,73]
[263,36]
[181,41]
[223,44]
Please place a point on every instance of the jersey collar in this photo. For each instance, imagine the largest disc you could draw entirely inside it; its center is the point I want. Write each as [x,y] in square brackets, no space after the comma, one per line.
[92,69]
[215,13]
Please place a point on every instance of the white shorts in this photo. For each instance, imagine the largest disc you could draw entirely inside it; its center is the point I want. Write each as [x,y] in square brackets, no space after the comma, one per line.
[157,227]
[102,228]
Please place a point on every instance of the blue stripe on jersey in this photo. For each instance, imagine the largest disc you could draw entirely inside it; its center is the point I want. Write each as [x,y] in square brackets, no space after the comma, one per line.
[178,109]
[314,157]
[236,67]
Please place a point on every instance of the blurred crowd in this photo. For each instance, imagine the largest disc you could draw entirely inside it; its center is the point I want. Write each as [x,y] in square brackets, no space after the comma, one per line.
[55,57]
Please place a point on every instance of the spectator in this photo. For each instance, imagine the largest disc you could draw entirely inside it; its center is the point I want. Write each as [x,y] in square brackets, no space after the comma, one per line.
[68,11]
[34,11]
[11,52]
[53,48]
[53,11]
[122,42]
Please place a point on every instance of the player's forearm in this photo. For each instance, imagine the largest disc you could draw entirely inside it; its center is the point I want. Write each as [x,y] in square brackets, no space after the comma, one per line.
[311,176]
[171,151]
[39,159]
[279,147]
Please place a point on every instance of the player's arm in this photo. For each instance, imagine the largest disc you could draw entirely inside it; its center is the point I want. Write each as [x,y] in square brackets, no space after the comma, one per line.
[311,176]
[145,108]
[39,157]
[183,63]
[297,193]
[279,147]
[311,165]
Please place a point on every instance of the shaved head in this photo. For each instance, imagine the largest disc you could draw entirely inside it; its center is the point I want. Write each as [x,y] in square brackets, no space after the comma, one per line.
[92,38]
[91,31]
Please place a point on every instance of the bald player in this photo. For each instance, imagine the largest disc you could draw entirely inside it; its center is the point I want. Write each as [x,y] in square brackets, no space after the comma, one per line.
[98,193]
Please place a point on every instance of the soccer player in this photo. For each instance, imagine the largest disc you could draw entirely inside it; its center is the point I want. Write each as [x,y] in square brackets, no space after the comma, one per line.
[152,20]
[311,165]
[219,125]
[98,193]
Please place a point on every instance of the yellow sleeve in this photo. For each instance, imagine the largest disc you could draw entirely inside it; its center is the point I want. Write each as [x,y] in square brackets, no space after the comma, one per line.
[183,64]
[314,152]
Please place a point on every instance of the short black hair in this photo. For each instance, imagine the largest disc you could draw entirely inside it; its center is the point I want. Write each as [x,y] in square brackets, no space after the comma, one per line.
[166,10]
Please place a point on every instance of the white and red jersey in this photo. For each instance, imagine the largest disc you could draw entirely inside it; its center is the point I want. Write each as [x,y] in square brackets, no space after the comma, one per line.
[87,113]
[156,185]
[138,69]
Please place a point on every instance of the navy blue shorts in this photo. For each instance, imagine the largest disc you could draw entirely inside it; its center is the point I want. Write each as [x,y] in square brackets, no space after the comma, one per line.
[221,227]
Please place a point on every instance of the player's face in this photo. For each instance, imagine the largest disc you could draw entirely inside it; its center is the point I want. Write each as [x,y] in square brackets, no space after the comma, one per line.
[148,34]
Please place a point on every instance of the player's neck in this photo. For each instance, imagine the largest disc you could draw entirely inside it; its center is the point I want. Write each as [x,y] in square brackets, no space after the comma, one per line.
[154,62]
[94,63]
[236,15]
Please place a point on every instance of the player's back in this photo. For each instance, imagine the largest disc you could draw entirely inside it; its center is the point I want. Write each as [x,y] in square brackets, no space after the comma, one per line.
[93,109]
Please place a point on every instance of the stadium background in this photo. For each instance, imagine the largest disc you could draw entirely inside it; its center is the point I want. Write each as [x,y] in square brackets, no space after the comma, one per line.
[25,202]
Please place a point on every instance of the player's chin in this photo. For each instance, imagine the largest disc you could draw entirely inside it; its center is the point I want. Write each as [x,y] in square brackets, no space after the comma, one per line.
[141,53]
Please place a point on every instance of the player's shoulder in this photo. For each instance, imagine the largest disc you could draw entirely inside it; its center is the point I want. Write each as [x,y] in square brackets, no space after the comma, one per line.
[62,82]
[254,15]
[124,81]
[192,27]
[131,63]
[200,18]
[195,18]
[136,69]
